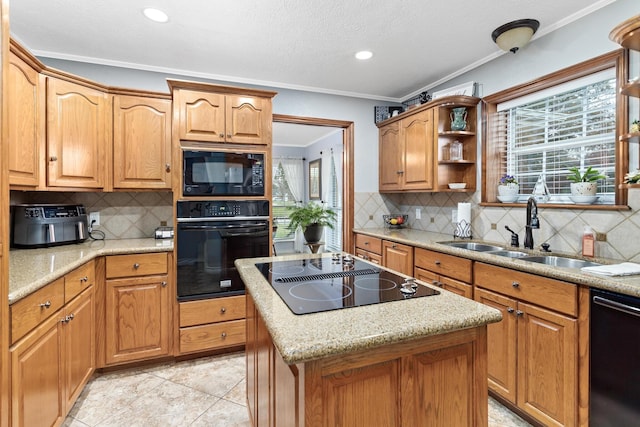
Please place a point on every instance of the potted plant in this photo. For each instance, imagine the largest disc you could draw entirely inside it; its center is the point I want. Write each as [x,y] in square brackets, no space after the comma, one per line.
[584,184]
[508,188]
[635,126]
[632,177]
[312,218]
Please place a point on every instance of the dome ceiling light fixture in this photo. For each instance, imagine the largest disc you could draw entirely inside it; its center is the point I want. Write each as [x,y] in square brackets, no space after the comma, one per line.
[156,15]
[511,36]
[364,55]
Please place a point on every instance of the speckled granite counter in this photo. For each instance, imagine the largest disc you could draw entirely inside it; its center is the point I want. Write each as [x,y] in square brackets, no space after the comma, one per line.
[31,269]
[302,338]
[629,285]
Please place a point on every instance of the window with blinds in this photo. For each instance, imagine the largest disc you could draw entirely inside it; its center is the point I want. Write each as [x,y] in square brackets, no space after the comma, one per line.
[543,134]
[334,236]
[283,202]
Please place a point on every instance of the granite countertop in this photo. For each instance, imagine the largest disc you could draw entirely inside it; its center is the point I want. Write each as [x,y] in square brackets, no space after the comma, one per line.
[31,269]
[302,338]
[629,285]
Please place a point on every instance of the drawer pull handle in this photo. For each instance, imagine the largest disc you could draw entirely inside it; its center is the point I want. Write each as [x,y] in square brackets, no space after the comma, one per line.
[510,310]
[45,304]
[515,284]
[136,266]
[519,313]
[224,335]
[223,310]
[366,243]
[163,284]
[437,262]
[53,158]
[84,279]
[394,246]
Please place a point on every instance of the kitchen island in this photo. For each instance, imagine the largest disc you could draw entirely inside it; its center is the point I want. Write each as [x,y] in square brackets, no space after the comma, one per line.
[411,362]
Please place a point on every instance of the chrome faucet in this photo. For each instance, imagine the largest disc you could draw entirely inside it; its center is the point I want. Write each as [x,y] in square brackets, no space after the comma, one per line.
[532,222]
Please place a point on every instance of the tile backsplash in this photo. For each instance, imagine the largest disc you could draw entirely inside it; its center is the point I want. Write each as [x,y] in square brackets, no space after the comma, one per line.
[129,215]
[561,228]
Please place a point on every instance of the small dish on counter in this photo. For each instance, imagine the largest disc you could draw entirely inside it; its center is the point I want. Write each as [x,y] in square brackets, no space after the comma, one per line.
[583,200]
[457,185]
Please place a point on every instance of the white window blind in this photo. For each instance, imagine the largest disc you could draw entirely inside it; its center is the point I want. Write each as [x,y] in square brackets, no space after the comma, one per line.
[546,133]
[334,200]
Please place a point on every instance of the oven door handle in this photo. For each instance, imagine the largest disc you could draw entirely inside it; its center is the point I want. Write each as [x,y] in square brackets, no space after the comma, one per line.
[256,227]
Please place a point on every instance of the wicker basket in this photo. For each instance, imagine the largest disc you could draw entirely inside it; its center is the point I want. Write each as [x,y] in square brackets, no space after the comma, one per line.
[388,218]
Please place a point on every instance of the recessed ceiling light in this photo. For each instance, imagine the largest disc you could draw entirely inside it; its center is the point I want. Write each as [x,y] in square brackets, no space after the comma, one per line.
[155,15]
[364,54]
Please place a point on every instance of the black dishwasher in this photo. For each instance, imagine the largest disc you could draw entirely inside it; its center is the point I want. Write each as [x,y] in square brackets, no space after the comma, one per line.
[614,398]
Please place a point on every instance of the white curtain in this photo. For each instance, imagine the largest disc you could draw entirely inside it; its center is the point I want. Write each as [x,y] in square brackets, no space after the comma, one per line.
[294,174]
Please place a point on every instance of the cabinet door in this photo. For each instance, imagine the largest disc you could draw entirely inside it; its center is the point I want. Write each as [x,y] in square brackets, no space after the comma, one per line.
[390,153]
[201,116]
[501,344]
[77,137]
[141,143]
[79,344]
[457,287]
[397,257]
[416,132]
[26,123]
[138,319]
[547,365]
[37,377]
[248,120]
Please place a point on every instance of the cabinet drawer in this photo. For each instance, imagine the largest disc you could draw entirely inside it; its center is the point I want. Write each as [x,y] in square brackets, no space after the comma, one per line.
[27,313]
[368,243]
[212,310]
[548,293]
[136,265]
[217,335]
[426,276]
[369,256]
[79,280]
[447,265]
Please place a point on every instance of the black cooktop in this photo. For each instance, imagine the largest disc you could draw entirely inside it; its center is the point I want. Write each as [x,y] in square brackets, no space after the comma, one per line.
[323,284]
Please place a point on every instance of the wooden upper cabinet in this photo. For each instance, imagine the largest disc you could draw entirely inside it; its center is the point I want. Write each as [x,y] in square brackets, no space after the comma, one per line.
[26,123]
[214,117]
[390,157]
[141,142]
[77,135]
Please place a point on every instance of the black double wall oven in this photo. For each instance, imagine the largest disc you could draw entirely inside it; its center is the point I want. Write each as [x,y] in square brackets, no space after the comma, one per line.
[211,235]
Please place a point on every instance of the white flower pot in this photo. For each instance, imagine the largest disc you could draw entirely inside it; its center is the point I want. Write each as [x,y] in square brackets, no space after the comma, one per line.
[509,190]
[584,188]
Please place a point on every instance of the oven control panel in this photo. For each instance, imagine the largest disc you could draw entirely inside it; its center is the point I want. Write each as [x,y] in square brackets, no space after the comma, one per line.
[222,208]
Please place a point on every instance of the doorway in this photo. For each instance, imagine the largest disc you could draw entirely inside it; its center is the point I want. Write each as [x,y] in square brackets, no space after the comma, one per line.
[347,167]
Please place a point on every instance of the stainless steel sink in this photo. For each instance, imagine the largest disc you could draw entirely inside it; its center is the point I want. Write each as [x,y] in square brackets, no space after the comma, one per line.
[510,254]
[473,246]
[560,261]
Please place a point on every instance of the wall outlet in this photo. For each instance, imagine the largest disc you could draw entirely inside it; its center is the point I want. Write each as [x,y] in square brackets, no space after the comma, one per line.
[94,216]
[418,213]
[601,237]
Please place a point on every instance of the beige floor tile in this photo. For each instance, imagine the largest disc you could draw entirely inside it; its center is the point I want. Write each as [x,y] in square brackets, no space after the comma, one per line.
[224,413]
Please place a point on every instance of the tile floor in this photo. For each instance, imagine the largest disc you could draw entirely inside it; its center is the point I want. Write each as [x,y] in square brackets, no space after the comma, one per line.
[209,392]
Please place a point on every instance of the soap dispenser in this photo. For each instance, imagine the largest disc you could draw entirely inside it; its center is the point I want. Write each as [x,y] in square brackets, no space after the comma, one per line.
[588,242]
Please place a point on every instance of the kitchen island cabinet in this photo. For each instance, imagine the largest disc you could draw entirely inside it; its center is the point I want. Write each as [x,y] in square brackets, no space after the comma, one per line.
[404,363]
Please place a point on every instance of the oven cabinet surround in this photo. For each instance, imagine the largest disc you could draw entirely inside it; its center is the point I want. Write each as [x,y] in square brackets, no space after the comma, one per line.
[211,113]
[53,352]
[536,344]
[211,324]
[446,271]
[414,148]
[138,307]
[141,142]
[364,365]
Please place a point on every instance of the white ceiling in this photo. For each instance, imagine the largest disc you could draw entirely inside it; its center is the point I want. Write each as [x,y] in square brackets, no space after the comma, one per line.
[307,45]
[300,135]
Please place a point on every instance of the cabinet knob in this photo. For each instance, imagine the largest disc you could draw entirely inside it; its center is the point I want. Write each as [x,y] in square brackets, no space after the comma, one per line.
[167,167]
[394,246]
[223,310]
[223,335]
[366,243]
[519,313]
[400,172]
[515,284]
[163,284]
[136,266]
[71,316]
[84,279]
[45,304]
[437,262]
[510,310]
[53,158]
[229,135]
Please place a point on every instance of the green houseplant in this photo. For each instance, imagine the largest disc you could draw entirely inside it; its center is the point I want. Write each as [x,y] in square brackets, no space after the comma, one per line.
[312,218]
[584,184]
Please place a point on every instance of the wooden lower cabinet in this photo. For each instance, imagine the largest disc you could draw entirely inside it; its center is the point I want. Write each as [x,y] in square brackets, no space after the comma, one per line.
[212,324]
[368,248]
[398,257]
[446,271]
[533,352]
[51,364]
[434,381]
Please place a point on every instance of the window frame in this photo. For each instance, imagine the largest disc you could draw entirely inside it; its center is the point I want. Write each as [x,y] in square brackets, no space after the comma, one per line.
[491,164]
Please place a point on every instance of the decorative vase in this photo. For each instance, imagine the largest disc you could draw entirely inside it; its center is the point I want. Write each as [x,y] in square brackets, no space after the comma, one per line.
[584,188]
[313,233]
[509,190]
[458,118]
